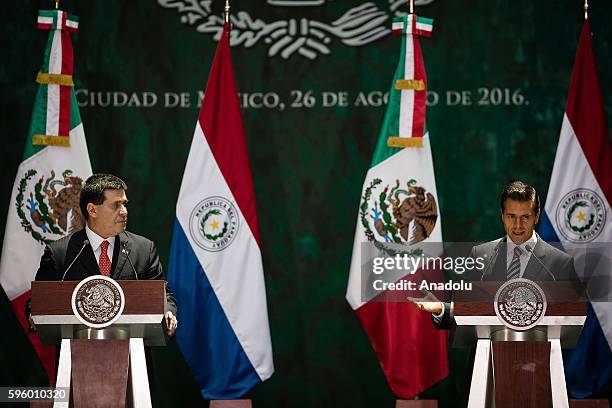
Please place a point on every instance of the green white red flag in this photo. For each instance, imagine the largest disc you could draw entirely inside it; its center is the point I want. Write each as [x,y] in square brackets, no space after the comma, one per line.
[408,117]
[44,202]
[412,353]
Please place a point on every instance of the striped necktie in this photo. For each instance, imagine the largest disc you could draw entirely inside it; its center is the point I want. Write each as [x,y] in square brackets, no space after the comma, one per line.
[514,270]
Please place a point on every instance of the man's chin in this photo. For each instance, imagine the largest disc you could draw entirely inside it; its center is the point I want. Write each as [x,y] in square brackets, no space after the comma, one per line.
[518,239]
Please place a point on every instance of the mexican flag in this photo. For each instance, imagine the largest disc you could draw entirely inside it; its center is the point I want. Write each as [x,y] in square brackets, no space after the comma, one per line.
[44,202]
[399,206]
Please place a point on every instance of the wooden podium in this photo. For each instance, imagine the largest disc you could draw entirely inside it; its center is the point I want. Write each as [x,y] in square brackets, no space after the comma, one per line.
[518,368]
[102,367]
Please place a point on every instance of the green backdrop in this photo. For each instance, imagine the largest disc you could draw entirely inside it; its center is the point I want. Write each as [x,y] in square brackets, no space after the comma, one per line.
[498,77]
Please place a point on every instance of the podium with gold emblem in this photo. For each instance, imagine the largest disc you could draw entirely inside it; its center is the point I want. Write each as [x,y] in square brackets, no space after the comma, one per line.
[102,327]
[519,328]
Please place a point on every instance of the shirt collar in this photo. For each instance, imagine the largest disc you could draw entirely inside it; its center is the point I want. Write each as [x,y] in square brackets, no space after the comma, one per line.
[531,242]
[95,240]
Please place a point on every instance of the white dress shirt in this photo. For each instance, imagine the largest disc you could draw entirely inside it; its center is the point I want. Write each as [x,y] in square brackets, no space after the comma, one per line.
[525,254]
[95,241]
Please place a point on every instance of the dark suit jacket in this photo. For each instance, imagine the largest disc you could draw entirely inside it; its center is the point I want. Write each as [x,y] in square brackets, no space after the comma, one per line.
[560,264]
[59,254]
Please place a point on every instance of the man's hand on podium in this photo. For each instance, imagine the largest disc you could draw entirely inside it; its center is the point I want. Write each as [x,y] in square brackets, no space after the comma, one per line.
[429,303]
[171,323]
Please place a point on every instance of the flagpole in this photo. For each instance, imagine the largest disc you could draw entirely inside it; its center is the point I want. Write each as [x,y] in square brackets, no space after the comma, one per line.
[586,9]
[412,6]
[57,4]
[227,11]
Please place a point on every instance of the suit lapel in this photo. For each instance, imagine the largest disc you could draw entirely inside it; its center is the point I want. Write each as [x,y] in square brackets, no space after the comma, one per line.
[533,269]
[119,256]
[499,269]
[87,260]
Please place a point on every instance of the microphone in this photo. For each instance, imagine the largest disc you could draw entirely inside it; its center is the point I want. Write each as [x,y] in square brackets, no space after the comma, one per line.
[125,251]
[530,250]
[493,259]
[85,243]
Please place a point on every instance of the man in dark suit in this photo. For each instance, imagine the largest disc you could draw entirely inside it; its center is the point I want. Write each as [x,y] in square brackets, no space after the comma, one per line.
[519,254]
[103,246]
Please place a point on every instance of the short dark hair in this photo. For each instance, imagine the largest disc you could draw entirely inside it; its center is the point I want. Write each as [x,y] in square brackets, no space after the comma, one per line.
[94,187]
[519,191]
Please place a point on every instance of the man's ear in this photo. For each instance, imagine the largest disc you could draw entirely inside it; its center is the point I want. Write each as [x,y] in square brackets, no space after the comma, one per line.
[92,210]
[537,216]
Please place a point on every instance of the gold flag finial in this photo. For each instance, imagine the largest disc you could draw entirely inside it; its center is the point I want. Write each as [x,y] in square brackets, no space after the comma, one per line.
[57,4]
[586,9]
[227,11]
[412,6]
